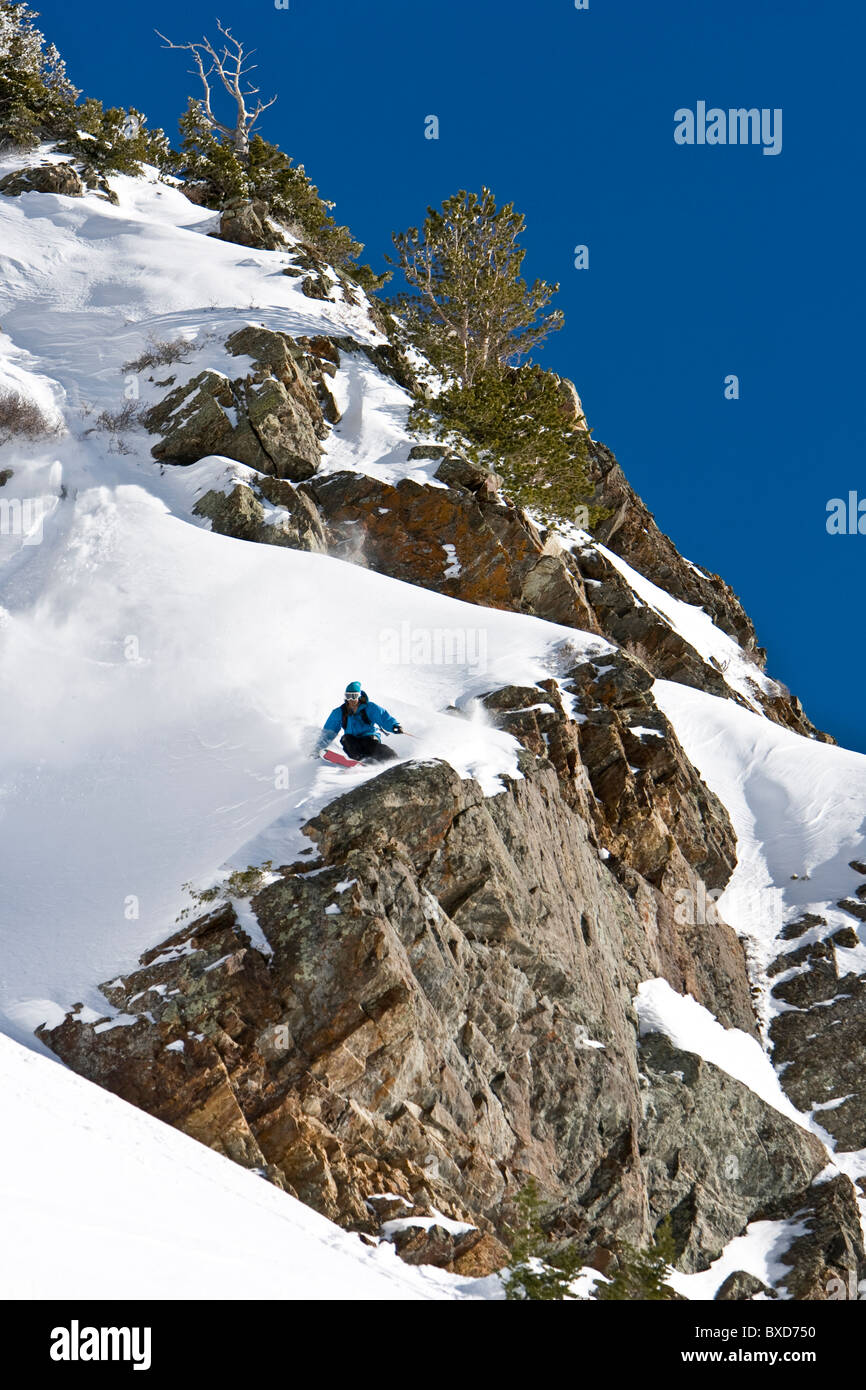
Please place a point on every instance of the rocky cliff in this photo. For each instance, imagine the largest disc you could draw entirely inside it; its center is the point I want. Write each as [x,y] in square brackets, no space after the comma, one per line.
[435,1001]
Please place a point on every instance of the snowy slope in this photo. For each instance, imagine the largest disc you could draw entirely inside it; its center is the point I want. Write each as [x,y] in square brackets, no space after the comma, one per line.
[99,1198]
[798,808]
[799,811]
[161,685]
[698,629]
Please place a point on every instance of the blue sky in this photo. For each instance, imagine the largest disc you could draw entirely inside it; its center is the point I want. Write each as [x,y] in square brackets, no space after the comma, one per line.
[703,261]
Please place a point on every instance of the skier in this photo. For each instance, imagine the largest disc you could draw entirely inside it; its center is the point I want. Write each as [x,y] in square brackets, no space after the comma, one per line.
[360,721]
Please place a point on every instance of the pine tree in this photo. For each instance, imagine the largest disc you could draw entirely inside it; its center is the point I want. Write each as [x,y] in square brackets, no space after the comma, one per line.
[114,141]
[474,320]
[517,423]
[39,103]
[468,311]
[642,1273]
[37,99]
[538,1272]
[206,159]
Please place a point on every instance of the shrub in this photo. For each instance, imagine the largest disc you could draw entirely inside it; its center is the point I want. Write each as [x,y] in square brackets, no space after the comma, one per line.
[114,141]
[538,1272]
[116,421]
[23,418]
[161,352]
[642,1273]
[516,422]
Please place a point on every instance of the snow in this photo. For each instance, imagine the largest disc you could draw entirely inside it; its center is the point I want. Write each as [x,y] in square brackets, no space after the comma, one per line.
[454,567]
[423,1223]
[250,924]
[100,1199]
[692,1028]
[165,684]
[798,808]
[698,629]
[373,435]
[757,1252]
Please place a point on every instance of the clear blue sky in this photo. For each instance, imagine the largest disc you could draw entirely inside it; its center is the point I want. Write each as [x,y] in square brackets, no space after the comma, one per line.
[704,261]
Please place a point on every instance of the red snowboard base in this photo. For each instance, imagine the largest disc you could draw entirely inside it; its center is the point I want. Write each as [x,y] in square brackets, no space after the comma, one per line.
[340,760]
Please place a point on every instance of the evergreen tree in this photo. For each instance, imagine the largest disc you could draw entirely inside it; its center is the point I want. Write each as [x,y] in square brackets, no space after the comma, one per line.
[205,159]
[474,320]
[36,97]
[39,103]
[642,1273]
[114,141]
[468,311]
[538,1272]
[516,422]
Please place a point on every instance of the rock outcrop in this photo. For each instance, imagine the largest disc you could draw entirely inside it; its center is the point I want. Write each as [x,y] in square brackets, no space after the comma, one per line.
[826,1260]
[43,178]
[714,1154]
[272,418]
[818,1038]
[466,539]
[453,540]
[440,1007]
[247,224]
[266,510]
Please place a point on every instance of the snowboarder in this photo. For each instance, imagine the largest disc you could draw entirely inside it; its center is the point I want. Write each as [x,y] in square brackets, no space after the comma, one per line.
[361,722]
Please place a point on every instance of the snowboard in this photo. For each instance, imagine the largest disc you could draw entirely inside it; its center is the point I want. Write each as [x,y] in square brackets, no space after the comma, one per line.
[341,760]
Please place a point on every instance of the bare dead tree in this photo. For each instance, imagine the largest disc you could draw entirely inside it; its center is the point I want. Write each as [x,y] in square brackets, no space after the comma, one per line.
[230,67]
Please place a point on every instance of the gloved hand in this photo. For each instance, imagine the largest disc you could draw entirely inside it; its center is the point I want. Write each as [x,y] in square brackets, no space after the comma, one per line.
[397,729]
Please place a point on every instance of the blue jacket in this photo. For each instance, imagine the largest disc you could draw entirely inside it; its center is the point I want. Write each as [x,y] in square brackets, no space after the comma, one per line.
[365,722]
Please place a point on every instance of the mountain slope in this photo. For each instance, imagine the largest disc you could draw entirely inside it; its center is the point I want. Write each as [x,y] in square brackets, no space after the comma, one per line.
[135,1208]
[457,965]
